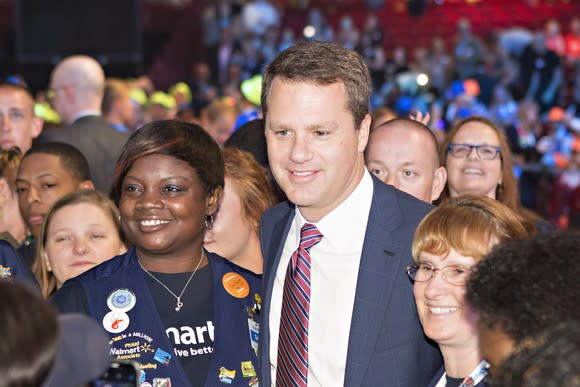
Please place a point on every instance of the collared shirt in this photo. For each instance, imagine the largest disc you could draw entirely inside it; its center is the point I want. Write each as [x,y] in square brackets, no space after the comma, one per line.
[334,273]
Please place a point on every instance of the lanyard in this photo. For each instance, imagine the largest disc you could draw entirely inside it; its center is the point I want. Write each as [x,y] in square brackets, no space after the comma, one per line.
[473,379]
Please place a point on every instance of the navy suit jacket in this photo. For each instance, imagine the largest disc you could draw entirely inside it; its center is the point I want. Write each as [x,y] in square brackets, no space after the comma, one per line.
[98,141]
[386,345]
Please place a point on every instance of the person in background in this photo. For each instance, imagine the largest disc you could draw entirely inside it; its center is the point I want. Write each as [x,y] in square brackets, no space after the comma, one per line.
[81,230]
[117,107]
[448,243]
[404,153]
[381,115]
[541,274]
[247,194]
[13,229]
[47,172]
[250,137]
[541,73]
[182,95]
[572,40]
[553,38]
[19,126]
[523,135]
[162,106]
[548,360]
[219,119]
[469,52]
[77,84]
[39,348]
[249,104]
[479,162]
[194,312]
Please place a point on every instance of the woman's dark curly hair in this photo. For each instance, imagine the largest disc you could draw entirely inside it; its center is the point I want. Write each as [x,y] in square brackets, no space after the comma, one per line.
[549,360]
[527,286]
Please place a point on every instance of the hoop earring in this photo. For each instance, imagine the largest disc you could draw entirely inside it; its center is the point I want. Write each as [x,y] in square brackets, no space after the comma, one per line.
[208,222]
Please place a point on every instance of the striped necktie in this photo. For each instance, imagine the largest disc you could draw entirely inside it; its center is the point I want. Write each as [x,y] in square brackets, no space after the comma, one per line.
[292,365]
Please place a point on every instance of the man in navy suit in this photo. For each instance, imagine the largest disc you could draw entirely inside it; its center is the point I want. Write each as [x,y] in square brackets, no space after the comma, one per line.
[361,327]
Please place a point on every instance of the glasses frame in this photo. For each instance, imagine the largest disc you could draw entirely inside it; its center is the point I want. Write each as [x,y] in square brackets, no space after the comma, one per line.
[411,269]
[450,148]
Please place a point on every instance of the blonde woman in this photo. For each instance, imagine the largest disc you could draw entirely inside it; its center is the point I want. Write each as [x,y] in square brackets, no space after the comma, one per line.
[448,243]
[80,231]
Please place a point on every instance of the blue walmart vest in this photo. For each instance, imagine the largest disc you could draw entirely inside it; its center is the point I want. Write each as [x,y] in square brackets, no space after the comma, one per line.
[145,340]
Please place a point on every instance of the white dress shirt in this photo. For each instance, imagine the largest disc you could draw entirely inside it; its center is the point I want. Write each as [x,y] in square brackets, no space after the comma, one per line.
[334,273]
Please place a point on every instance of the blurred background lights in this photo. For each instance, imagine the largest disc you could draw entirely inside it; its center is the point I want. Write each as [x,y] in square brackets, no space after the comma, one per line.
[422,79]
[309,32]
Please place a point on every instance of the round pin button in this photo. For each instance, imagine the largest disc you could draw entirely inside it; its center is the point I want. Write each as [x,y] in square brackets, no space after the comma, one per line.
[235,285]
[122,300]
[116,321]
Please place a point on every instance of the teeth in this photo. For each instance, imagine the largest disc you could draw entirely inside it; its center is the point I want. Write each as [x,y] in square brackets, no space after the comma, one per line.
[472,170]
[154,222]
[442,310]
[302,173]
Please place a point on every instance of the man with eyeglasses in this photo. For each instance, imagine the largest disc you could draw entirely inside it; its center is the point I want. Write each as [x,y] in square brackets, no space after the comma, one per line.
[76,90]
[403,153]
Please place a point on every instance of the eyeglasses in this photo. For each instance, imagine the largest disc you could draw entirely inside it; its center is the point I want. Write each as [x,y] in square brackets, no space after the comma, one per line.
[454,274]
[462,151]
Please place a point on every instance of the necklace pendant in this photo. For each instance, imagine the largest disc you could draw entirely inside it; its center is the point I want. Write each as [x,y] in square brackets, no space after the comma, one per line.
[179,305]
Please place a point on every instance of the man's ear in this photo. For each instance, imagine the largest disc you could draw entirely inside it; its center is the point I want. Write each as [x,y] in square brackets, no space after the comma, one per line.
[439,180]
[87,184]
[37,124]
[363,135]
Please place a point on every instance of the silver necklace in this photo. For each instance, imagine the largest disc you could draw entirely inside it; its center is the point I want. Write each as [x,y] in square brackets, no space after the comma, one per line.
[178,298]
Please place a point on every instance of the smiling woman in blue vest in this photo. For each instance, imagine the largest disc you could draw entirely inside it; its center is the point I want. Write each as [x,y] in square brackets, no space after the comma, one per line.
[187,316]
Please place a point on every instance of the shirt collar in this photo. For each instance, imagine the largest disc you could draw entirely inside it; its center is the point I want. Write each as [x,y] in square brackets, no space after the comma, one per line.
[353,211]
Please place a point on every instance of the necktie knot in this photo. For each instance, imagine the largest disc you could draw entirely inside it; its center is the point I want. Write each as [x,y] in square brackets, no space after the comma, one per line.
[309,236]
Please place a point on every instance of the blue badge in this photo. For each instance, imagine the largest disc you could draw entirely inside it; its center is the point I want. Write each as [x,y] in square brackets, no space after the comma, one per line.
[162,357]
[122,300]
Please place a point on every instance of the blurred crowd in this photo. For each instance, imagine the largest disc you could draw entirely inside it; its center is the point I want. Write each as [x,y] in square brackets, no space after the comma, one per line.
[527,82]
[103,179]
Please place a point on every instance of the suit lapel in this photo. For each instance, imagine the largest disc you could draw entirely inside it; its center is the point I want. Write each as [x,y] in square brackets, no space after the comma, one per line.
[378,266]
[275,240]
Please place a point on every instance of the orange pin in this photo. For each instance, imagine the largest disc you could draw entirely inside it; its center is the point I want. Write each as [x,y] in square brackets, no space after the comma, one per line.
[236,285]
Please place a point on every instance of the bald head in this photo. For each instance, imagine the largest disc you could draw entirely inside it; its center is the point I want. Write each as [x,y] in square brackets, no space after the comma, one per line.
[78,83]
[404,153]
